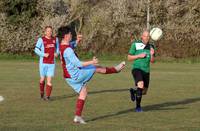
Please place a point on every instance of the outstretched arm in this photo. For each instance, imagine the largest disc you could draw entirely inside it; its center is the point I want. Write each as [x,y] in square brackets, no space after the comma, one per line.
[134,57]
[131,54]
[94,61]
[70,55]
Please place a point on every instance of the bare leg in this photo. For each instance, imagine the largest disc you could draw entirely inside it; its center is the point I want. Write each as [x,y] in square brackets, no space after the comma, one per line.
[140,84]
[49,81]
[83,93]
[42,79]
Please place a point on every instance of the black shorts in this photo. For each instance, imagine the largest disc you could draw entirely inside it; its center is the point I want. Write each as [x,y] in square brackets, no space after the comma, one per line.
[140,75]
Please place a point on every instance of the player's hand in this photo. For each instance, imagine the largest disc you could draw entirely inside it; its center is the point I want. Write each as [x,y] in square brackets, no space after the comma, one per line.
[152,51]
[79,38]
[55,55]
[95,61]
[143,55]
[46,55]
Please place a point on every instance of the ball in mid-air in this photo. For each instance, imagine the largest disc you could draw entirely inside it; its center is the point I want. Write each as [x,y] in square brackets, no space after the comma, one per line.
[156,34]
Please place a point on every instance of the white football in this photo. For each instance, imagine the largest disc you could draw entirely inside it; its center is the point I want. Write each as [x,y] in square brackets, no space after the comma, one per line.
[1,98]
[156,34]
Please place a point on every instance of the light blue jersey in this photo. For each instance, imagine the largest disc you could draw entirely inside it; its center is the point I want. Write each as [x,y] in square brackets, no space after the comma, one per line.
[79,75]
[39,49]
[46,69]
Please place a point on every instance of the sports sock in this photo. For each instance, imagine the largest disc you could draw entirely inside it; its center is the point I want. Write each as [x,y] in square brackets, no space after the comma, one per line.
[133,94]
[110,70]
[79,106]
[48,90]
[138,97]
[42,89]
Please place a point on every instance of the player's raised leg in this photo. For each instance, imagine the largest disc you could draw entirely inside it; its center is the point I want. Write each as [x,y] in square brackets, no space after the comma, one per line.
[110,70]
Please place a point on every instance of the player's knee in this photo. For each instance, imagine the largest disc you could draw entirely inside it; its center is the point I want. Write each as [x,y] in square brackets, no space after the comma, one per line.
[49,81]
[82,96]
[140,84]
[50,84]
[83,93]
[42,80]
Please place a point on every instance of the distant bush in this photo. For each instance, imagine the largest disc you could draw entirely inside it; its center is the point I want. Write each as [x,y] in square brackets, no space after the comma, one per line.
[106,24]
[19,11]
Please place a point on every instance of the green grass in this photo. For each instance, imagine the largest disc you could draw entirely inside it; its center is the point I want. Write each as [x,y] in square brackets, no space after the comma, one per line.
[172,103]
[104,57]
[7,56]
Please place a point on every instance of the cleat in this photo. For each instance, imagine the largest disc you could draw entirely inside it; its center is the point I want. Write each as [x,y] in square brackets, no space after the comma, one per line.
[120,66]
[132,94]
[138,109]
[42,96]
[47,98]
[79,119]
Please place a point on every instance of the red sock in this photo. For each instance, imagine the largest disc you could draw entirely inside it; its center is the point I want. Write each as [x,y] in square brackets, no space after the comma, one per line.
[42,88]
[110,70]
[48,90]
[79,107]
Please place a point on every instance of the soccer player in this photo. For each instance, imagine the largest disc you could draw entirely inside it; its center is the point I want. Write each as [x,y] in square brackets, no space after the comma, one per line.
[47,47]
[141,53]
[77,73]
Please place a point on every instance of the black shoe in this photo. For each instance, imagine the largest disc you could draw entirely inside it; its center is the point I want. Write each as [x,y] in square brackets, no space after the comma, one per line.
[42,96]
[132,93]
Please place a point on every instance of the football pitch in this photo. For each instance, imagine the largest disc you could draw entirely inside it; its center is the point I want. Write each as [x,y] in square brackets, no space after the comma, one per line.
[172,102]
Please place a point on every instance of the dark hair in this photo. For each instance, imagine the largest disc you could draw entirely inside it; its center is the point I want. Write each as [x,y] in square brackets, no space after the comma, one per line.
[66,31]
[62,31]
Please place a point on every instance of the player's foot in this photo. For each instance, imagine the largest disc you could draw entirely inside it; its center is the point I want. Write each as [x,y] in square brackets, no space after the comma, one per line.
[132,94]
[47,98]
[138,109]
[42,96]
[79,119]
[120,66]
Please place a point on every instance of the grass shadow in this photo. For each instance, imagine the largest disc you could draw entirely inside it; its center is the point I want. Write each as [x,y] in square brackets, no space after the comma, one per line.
[161,106]
[170,104]
[54,98]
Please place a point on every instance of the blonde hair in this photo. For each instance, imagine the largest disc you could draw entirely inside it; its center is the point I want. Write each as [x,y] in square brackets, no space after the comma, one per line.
[46,27]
